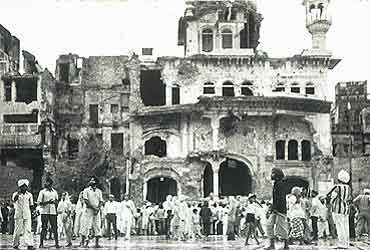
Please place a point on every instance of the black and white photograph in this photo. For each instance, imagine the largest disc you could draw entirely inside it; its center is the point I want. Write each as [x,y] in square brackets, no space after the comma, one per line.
[185,124]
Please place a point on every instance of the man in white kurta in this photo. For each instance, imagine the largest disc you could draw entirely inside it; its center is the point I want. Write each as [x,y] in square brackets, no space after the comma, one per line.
[128,210]
[22,202]
[93,199]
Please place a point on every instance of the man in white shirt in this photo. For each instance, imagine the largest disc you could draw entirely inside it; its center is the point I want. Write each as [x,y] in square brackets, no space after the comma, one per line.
[22,202]
[47,200]
[315,214]
[110,209]
[129,210]
[93,199]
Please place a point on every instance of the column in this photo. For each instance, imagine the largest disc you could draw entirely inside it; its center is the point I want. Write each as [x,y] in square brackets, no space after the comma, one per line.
[184,135]
[168,95]
[215,129]
[14,91]
[215,179]
[145,190]
[39,89]
[286,149]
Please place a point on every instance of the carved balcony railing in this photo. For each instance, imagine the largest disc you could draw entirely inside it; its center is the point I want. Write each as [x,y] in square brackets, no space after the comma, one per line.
[19,135]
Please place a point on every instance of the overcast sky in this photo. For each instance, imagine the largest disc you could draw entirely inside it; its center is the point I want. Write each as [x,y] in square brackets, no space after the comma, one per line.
[48,28]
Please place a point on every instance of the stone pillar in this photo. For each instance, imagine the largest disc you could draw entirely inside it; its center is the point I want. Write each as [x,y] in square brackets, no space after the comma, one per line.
[184,135]
[286,150]
[145,190]
[215,124]
[39,90]
[14,91]
[216,169]
[168,95]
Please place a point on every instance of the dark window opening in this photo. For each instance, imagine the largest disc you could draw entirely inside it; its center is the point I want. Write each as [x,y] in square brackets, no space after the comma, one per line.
[279,89]
[117,143]
[306,150]
[207,180]
[209,88]
[126,81]
[247,91]
[147,51]
[64,72]
[115,188]
[207,40]
[73,148]
[124,102]
[94,115]
[227,39]
[26,90]
[175,95]
[152,89]
[244,39]
[280,150]
[99,137]
[156,146]
[7,91]
[310,90]
[295,90]
[26,118]
[293,150]
[228,89]
[114,108]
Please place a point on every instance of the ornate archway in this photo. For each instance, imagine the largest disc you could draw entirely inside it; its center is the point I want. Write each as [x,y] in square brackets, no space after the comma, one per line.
[235,178]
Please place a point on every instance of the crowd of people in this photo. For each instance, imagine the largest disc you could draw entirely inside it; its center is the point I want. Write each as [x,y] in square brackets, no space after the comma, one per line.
[294,215]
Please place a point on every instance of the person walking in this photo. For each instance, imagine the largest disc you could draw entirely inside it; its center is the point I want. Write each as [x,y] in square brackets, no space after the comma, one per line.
[278,224]
[128,209]
[110,208]
[79,211]
[65,214]
[315,214]
[93,199]
[205,218]
[23,202]
[362,202]
[340,196]
[5,216]
[47,200]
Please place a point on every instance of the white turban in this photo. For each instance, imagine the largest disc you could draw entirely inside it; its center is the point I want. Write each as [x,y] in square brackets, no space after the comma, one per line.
[22,182]
[366,191]
[343,176]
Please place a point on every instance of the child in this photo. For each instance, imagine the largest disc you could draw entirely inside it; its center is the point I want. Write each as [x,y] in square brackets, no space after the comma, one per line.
[195,223]
[323,225]
[138,221]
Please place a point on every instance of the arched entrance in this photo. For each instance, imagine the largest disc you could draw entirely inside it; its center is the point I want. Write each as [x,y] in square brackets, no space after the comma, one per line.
[235,178]
[296,181]
[159,188]
[207,180]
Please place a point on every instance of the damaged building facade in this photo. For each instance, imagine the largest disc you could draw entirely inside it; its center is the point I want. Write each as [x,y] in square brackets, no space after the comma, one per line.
[26,102]
[214,121]
[220,118]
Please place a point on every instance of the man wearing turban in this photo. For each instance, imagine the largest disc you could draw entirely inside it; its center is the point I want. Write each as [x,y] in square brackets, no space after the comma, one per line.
[340,196]
[22,202]
[278,221]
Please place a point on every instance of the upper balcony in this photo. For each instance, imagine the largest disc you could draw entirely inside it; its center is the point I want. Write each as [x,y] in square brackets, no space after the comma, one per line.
[19,135]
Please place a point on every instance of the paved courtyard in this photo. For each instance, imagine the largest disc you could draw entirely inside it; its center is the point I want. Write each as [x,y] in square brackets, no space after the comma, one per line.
[157,243]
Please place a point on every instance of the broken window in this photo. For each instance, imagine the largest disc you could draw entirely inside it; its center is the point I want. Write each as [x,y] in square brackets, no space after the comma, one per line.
[117,143]
[280,150]
[21,118]
[152,89]
[156,146]
[175,95]
[245,89]
[126,81]
[207,40]
[114,108]
[94,115]
[7,91]
[306,150]
[227,39]
[64,72]
[228,89]
[26,90]
[73,148]
[209,88]
[293,150]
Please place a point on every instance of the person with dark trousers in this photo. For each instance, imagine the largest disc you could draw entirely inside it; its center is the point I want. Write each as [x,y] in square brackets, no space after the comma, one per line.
[111,209]
[47,200]
[5,215]
[315,214]
[278,223]
[205,217]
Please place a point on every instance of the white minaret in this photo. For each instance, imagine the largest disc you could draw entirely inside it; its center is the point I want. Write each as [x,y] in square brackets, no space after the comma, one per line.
[318,22]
